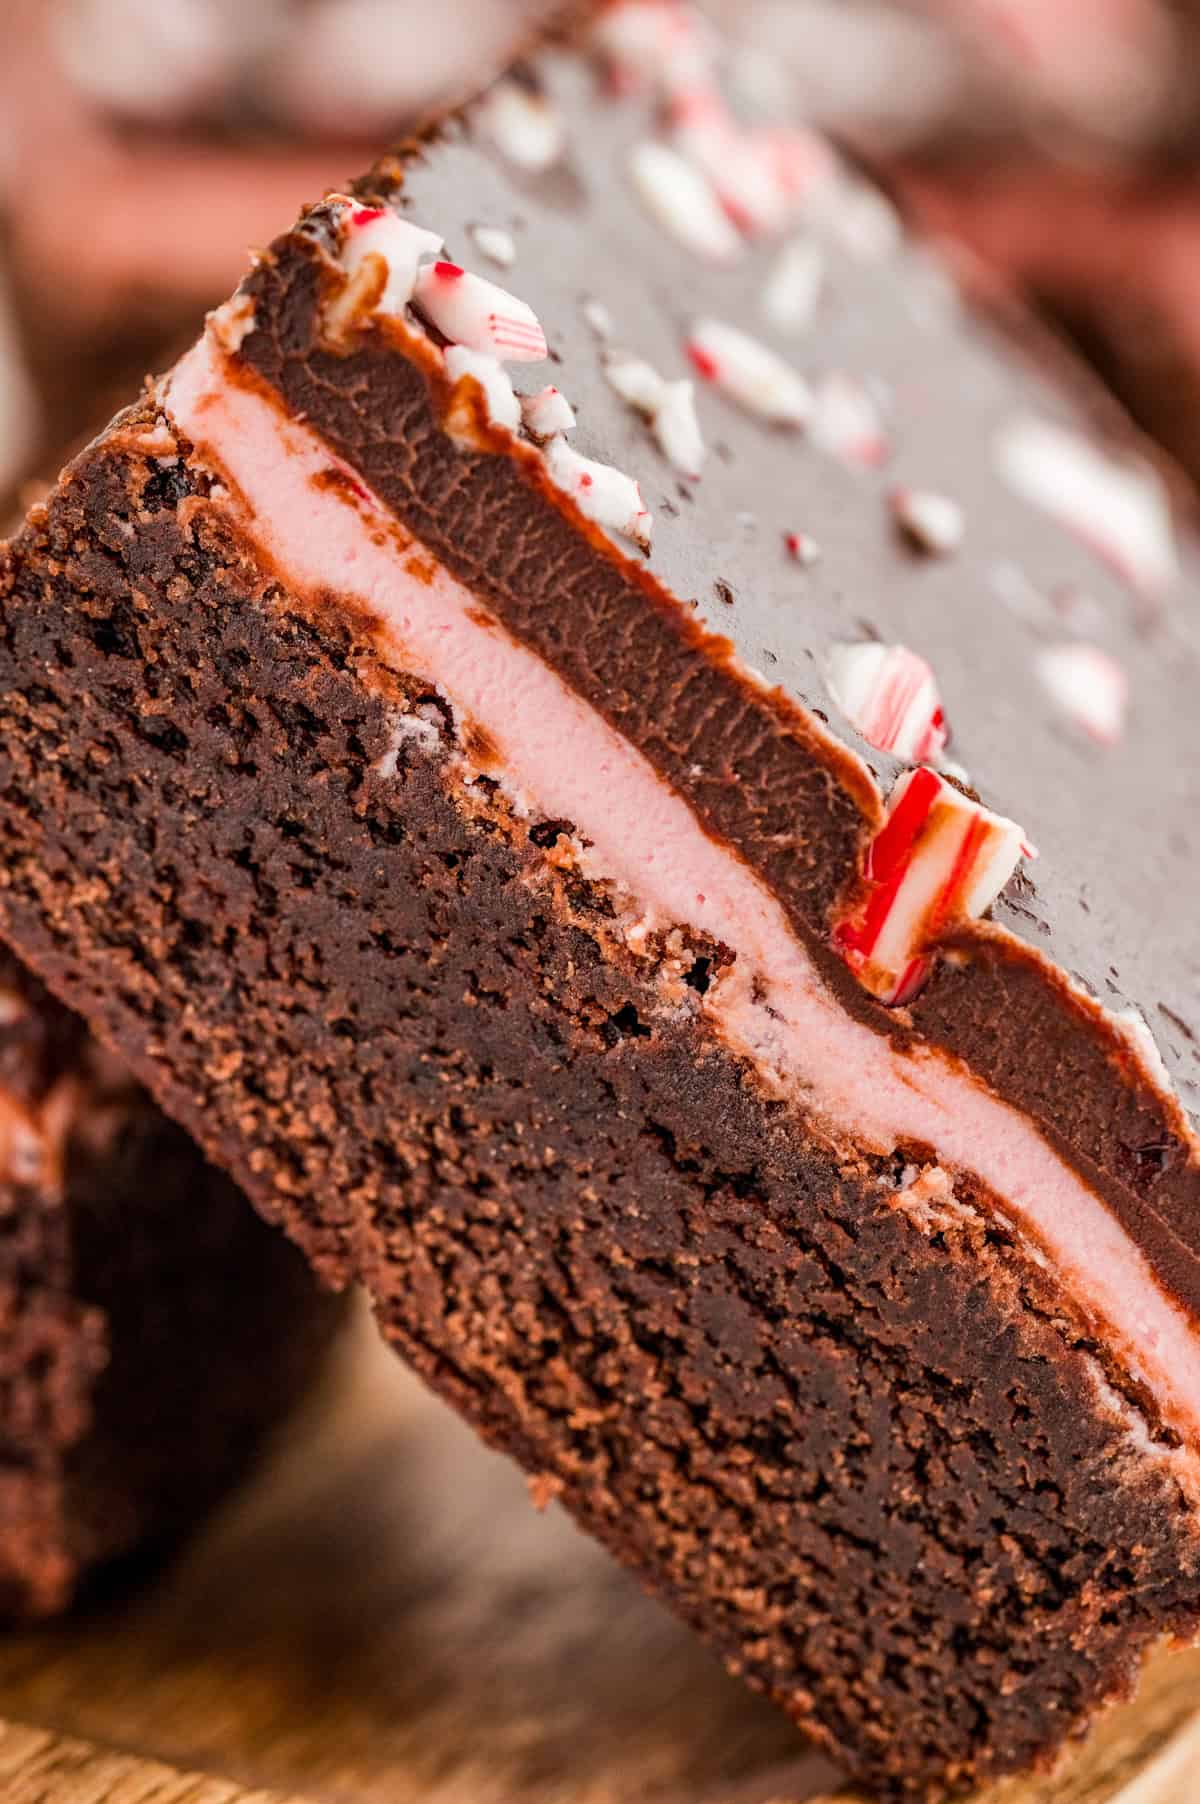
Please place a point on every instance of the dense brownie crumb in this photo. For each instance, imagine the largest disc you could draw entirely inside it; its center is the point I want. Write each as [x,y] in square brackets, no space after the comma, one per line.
[858,1445]
[151,1329]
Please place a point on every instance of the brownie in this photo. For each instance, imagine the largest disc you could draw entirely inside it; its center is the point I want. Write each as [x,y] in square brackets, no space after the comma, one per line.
[152,1330]
[605,918]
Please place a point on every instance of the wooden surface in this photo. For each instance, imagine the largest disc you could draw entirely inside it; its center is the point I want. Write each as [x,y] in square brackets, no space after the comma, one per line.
[384,1616]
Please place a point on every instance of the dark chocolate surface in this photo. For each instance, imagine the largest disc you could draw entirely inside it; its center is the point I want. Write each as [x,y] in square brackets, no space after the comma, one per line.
[1116,827]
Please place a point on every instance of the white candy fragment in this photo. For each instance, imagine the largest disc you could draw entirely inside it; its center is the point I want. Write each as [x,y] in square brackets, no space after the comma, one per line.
[1089,686]
[677,428]
[377,232]
[598,318]
[891,696]
[635,380]
[474,312]
[494,243]
[846,422]
[1119,509]
[1136,1029]
[503,407]
[749,373]
[548,413]
[232,323]
[605,495]
[861,219]
[933,523]
[794,286]
[669,407]
[526,127]
[682,200]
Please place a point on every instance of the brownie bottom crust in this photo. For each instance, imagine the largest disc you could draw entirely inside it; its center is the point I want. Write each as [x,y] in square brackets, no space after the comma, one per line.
[851,1437]
[152,1328]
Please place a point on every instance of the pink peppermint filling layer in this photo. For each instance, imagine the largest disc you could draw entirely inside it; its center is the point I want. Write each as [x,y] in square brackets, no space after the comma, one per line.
[561,760]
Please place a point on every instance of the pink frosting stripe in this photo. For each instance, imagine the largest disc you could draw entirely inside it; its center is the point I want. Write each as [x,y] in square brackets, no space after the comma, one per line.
[565,762]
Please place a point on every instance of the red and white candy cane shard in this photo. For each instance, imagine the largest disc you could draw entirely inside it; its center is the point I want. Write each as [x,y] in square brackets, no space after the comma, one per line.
[847,423]
[931,522]
[793,288]
[604,494]
[938,861]
[677,429]
[474,312]
[891,696]
[803,548]
[1119,509]
[806,166]
[658,44]
[749,373]
[1089,687]
[378,232]
[526,127]
[503,407]
[548,413]
[682,200]
[741,165]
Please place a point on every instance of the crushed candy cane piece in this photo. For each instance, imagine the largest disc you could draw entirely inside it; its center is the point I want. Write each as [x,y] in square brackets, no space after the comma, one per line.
[1089,686]
[803,548]
[933,523]
[548,413]
[742,166]
[1119,509]
[669,407]
[750,373]
[474,312]
[861,219]
[1135,1029]
[635,380]
[525,126]
[794,286]
[677,429]
[598,318]
[891,696]
[604,494]
[494,243]
[682,200]
[657,43]
[503,407]
[377,232]
[938,861]
[846,422]
[232,323]
[807,168]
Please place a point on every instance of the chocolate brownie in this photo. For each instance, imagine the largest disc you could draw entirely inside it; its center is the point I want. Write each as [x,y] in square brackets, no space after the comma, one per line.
[151,1328]
[593,912]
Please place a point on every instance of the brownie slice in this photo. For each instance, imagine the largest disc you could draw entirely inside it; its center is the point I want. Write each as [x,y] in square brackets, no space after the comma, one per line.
[151,1328]
[593,914]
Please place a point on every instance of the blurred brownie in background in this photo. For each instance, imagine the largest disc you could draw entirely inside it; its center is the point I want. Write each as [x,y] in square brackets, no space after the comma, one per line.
[151,1328]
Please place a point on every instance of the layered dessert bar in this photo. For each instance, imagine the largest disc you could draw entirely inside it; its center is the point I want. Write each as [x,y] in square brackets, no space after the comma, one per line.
[152,1329]
[628,768]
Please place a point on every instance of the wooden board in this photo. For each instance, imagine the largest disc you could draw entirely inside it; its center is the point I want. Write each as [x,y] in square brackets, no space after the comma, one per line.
[383,1616]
